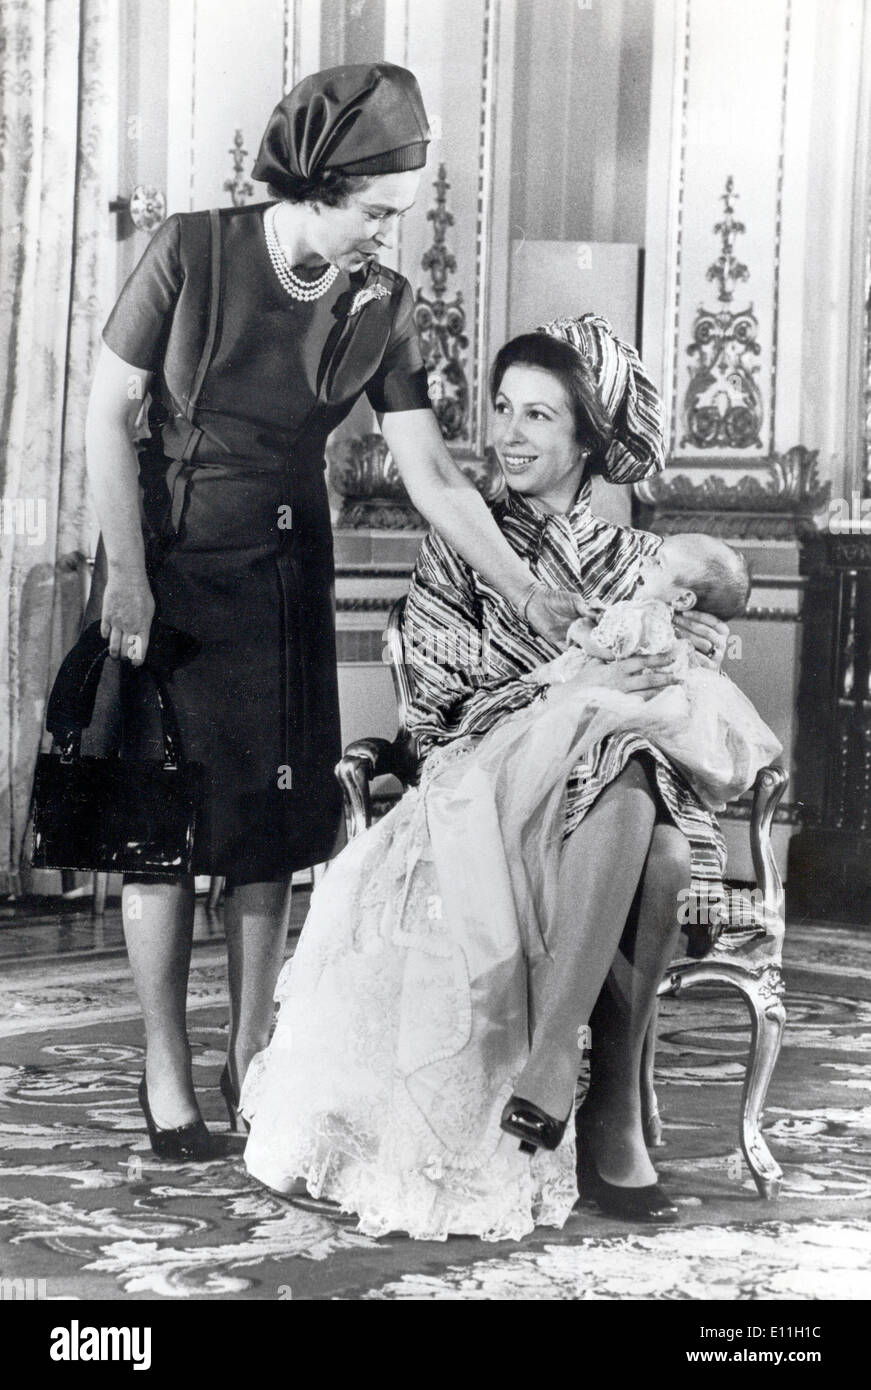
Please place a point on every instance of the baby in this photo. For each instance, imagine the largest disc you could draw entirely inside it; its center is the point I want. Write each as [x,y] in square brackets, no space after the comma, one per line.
[687,571]
[702,721]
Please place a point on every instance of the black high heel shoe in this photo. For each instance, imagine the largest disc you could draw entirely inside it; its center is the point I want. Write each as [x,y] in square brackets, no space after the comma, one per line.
[231,1100]
[532,1126]
[189,1144]
[648,1203]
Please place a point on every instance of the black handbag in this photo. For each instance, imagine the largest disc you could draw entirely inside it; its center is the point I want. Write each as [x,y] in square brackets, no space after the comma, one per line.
[108,815]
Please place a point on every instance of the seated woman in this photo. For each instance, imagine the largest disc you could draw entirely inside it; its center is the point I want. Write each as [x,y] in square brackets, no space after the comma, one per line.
[439,997]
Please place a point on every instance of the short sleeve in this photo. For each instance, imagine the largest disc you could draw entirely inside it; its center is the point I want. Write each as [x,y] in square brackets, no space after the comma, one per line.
[400,383]
[138,326]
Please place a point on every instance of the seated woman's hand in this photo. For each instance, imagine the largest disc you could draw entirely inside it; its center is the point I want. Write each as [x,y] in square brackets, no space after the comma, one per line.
[707,634]
[634,675]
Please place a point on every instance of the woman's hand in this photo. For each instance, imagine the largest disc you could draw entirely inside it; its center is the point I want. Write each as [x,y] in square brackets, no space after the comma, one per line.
[113,470]
[707,634]
[634,675]
[128,608]
[551,612]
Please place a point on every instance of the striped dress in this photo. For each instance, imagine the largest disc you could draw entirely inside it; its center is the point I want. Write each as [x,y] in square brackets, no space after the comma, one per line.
[467,650]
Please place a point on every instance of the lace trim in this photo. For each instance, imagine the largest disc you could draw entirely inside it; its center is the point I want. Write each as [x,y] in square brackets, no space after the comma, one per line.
[435,1199]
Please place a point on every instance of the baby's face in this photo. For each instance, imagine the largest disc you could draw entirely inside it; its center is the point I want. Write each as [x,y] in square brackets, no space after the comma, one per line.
[664,575]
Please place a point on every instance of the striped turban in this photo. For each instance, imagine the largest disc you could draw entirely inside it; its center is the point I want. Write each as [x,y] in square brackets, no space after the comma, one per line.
[629,396]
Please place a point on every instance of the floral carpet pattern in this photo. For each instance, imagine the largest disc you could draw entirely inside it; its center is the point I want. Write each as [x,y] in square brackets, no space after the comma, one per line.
[88,1212]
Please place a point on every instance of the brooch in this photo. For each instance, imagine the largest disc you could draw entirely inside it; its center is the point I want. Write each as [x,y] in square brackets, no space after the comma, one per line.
[363,297]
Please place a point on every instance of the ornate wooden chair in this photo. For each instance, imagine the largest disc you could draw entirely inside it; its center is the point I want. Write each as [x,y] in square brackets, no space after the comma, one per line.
[741,949]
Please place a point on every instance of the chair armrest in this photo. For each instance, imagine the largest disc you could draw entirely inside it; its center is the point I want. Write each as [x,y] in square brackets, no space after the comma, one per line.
[745,923]
[771,783]
[363,760]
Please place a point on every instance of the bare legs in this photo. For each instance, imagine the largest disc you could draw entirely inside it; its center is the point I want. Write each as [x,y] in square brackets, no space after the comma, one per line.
[593,903]
[611,1116]
[256,918]
[605,901]
[158,927]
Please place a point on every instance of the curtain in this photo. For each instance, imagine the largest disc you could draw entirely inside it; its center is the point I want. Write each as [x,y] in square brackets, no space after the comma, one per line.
[58,163]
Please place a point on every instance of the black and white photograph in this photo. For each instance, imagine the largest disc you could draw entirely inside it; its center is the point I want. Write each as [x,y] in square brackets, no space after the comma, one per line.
[435,666]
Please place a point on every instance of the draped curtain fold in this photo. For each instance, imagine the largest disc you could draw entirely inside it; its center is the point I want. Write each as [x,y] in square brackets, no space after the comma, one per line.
[58,165]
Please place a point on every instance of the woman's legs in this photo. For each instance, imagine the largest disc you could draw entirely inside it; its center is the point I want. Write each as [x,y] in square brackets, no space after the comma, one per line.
[158,928]
[611,1116]
[600,870]
[256,918]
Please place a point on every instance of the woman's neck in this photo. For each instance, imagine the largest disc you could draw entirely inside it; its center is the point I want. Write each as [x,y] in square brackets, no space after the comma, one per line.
[291,229]
[546,506]
[563,498]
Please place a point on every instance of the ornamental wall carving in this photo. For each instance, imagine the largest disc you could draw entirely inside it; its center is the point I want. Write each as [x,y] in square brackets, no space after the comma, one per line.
[723,406]
[441,325]
[777,498]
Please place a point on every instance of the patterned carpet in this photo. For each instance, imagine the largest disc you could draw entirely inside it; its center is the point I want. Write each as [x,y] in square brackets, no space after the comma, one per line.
[86,1209]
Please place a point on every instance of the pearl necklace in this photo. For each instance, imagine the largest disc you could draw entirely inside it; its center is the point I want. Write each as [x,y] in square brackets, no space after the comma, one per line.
[307,290]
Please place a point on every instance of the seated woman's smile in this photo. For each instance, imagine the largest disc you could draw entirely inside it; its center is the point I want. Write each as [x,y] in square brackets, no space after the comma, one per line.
[535,437]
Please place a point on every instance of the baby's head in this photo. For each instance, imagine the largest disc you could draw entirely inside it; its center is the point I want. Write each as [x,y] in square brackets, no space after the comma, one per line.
[696,571]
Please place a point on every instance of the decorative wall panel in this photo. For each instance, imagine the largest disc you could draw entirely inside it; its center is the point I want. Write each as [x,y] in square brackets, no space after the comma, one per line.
[227,73]
[732,123]
[441,324]
[744,91]
[452,49]
[723,405]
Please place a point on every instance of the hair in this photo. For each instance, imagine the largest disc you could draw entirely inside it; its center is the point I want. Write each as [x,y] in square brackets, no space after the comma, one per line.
[593,427]
[332,187]
[722,587]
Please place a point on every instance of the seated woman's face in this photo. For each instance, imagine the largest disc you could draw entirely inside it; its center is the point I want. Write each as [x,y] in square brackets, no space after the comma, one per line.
[534,437]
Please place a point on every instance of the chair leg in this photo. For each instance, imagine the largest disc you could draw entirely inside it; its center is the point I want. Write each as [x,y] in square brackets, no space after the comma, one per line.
[216,888]
[763,994]
[649,1103]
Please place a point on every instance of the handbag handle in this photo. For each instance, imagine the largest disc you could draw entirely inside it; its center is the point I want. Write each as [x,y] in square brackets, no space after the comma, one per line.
[74,693]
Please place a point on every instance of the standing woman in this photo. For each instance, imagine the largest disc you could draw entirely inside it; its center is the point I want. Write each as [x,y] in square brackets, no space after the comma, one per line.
[255,331]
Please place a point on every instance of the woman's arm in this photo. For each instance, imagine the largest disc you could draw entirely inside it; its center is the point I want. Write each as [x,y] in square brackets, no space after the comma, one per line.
[459,513]
[463,683]
[116,399]
[460,685]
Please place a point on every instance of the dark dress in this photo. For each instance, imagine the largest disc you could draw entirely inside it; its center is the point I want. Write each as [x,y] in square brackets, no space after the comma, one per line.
[237,524]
